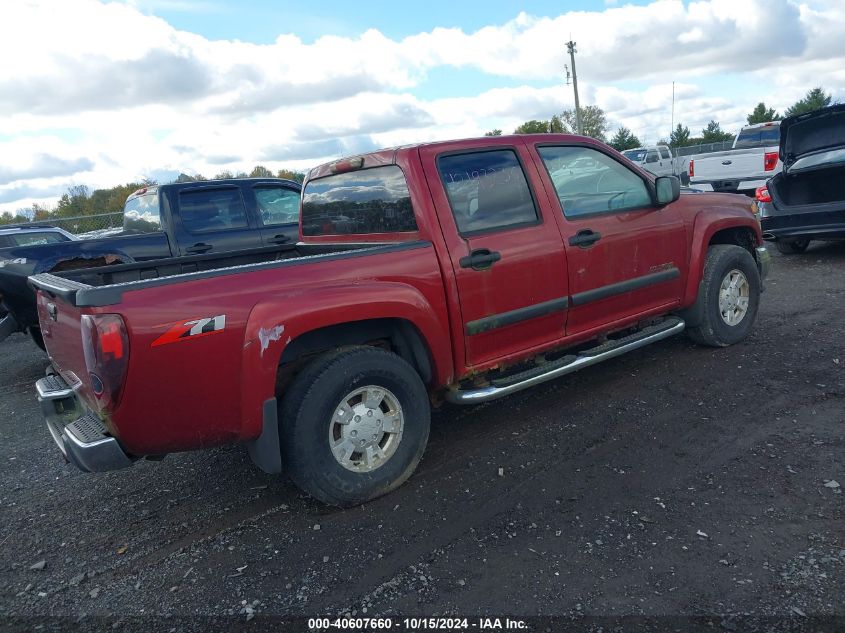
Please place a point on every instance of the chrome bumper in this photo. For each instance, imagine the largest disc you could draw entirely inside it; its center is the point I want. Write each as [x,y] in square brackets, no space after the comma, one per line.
[764,261]
[82,437]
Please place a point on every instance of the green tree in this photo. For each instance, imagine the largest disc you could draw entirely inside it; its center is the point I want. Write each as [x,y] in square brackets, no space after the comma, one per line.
[680,136]
[496,132]
[624,139]
[223,175]
[289,174]
[713,133]
[813,100]
[260,171]
[762,114]
[532,127]
[593,122]
[19,217]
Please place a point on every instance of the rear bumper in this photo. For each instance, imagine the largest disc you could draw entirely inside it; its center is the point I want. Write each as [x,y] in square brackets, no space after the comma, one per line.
[728,186]
[82,437]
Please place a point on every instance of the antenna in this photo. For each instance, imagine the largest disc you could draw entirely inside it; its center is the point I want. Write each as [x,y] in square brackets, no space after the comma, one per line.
[568,75]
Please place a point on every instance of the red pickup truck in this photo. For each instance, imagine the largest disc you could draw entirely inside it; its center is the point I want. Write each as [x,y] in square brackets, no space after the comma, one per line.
[463,270]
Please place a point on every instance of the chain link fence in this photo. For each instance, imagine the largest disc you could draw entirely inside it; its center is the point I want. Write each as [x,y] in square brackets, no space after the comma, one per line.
[704,148]
[84,226]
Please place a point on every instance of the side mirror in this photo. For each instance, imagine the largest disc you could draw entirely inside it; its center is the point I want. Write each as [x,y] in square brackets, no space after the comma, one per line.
[668,189]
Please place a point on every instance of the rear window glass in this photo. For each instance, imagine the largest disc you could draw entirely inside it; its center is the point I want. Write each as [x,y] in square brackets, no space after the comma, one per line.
[758,137]
[218,209]
[372,200]
[141,214]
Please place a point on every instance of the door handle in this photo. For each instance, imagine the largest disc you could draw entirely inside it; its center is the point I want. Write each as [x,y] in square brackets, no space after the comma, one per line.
[480,259]
[585,238]
[279,239]
[199,248]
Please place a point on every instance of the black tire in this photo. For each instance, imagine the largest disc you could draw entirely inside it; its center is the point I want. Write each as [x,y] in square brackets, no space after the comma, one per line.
[792,247]
[710,328]
[305,418]
[37,337]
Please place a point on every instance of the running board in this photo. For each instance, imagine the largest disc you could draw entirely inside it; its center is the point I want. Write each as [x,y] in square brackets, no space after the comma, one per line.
[568,364]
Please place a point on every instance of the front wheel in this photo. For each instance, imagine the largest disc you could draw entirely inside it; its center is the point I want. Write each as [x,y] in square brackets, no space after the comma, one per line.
[729,297]
[792,247]
[354,425]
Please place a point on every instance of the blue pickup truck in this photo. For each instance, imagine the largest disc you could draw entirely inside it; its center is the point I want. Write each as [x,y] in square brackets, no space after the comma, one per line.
[197,225]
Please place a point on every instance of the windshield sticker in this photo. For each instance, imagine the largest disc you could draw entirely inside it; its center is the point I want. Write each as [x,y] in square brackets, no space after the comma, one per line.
[195,328]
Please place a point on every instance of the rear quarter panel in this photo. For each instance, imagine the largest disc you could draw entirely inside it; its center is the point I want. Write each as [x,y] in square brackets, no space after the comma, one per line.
[200,391]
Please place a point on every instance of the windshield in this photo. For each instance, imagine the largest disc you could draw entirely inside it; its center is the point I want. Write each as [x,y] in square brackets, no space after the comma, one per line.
[141,213]
[758,137]
[636,155]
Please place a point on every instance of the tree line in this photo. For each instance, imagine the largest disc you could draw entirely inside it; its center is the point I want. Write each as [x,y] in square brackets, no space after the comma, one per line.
[594,124]
[80,201]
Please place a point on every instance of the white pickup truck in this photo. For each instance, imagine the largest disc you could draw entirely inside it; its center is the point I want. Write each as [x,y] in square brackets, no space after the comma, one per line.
[752,161]
[656,159]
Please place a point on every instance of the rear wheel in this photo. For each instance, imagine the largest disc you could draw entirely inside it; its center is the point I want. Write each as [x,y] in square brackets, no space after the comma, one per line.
[792,247]
[354,425]
[729,297]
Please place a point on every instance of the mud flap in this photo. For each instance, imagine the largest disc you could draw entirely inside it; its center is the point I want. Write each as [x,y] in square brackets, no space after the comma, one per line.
[265,450]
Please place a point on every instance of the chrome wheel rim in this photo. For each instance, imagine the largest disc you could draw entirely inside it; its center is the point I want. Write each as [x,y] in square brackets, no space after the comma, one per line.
[366,428]
[734,297]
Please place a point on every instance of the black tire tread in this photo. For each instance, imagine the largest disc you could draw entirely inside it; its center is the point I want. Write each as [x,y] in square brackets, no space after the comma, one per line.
[705,333]
[301,391]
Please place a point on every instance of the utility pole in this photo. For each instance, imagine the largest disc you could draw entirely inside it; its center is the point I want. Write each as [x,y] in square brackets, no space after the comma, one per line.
[570,46]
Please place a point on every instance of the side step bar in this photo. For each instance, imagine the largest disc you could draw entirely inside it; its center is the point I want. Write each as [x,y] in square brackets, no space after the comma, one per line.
[510,384]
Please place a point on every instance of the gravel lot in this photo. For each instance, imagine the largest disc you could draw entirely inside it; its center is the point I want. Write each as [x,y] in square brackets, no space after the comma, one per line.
[676,480]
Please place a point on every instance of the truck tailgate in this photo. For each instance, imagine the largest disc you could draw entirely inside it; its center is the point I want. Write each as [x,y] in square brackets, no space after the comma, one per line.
[729,165]
[61,329]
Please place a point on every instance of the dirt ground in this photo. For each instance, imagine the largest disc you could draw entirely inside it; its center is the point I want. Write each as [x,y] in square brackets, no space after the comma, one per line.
[674,481]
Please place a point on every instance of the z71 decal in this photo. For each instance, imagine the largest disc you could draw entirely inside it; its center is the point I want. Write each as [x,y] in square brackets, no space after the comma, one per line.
[195,328]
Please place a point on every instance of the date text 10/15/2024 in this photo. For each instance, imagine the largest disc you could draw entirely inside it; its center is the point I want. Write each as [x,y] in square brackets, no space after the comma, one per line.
[415,624]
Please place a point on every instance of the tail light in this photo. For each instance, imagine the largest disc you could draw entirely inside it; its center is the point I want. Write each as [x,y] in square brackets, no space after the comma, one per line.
[762,194]
[692,168]
[770,161]
[106,347]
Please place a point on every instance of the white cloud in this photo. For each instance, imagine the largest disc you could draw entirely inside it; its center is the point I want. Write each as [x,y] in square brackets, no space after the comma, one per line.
[103,93]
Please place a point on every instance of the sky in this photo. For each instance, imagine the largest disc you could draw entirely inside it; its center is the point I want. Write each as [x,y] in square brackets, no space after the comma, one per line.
[104,93]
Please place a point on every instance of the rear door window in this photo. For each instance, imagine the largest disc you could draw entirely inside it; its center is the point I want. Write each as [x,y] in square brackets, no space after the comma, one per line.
[216,209]
[487,190]
[664,152]
[374,200]
[652,156]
